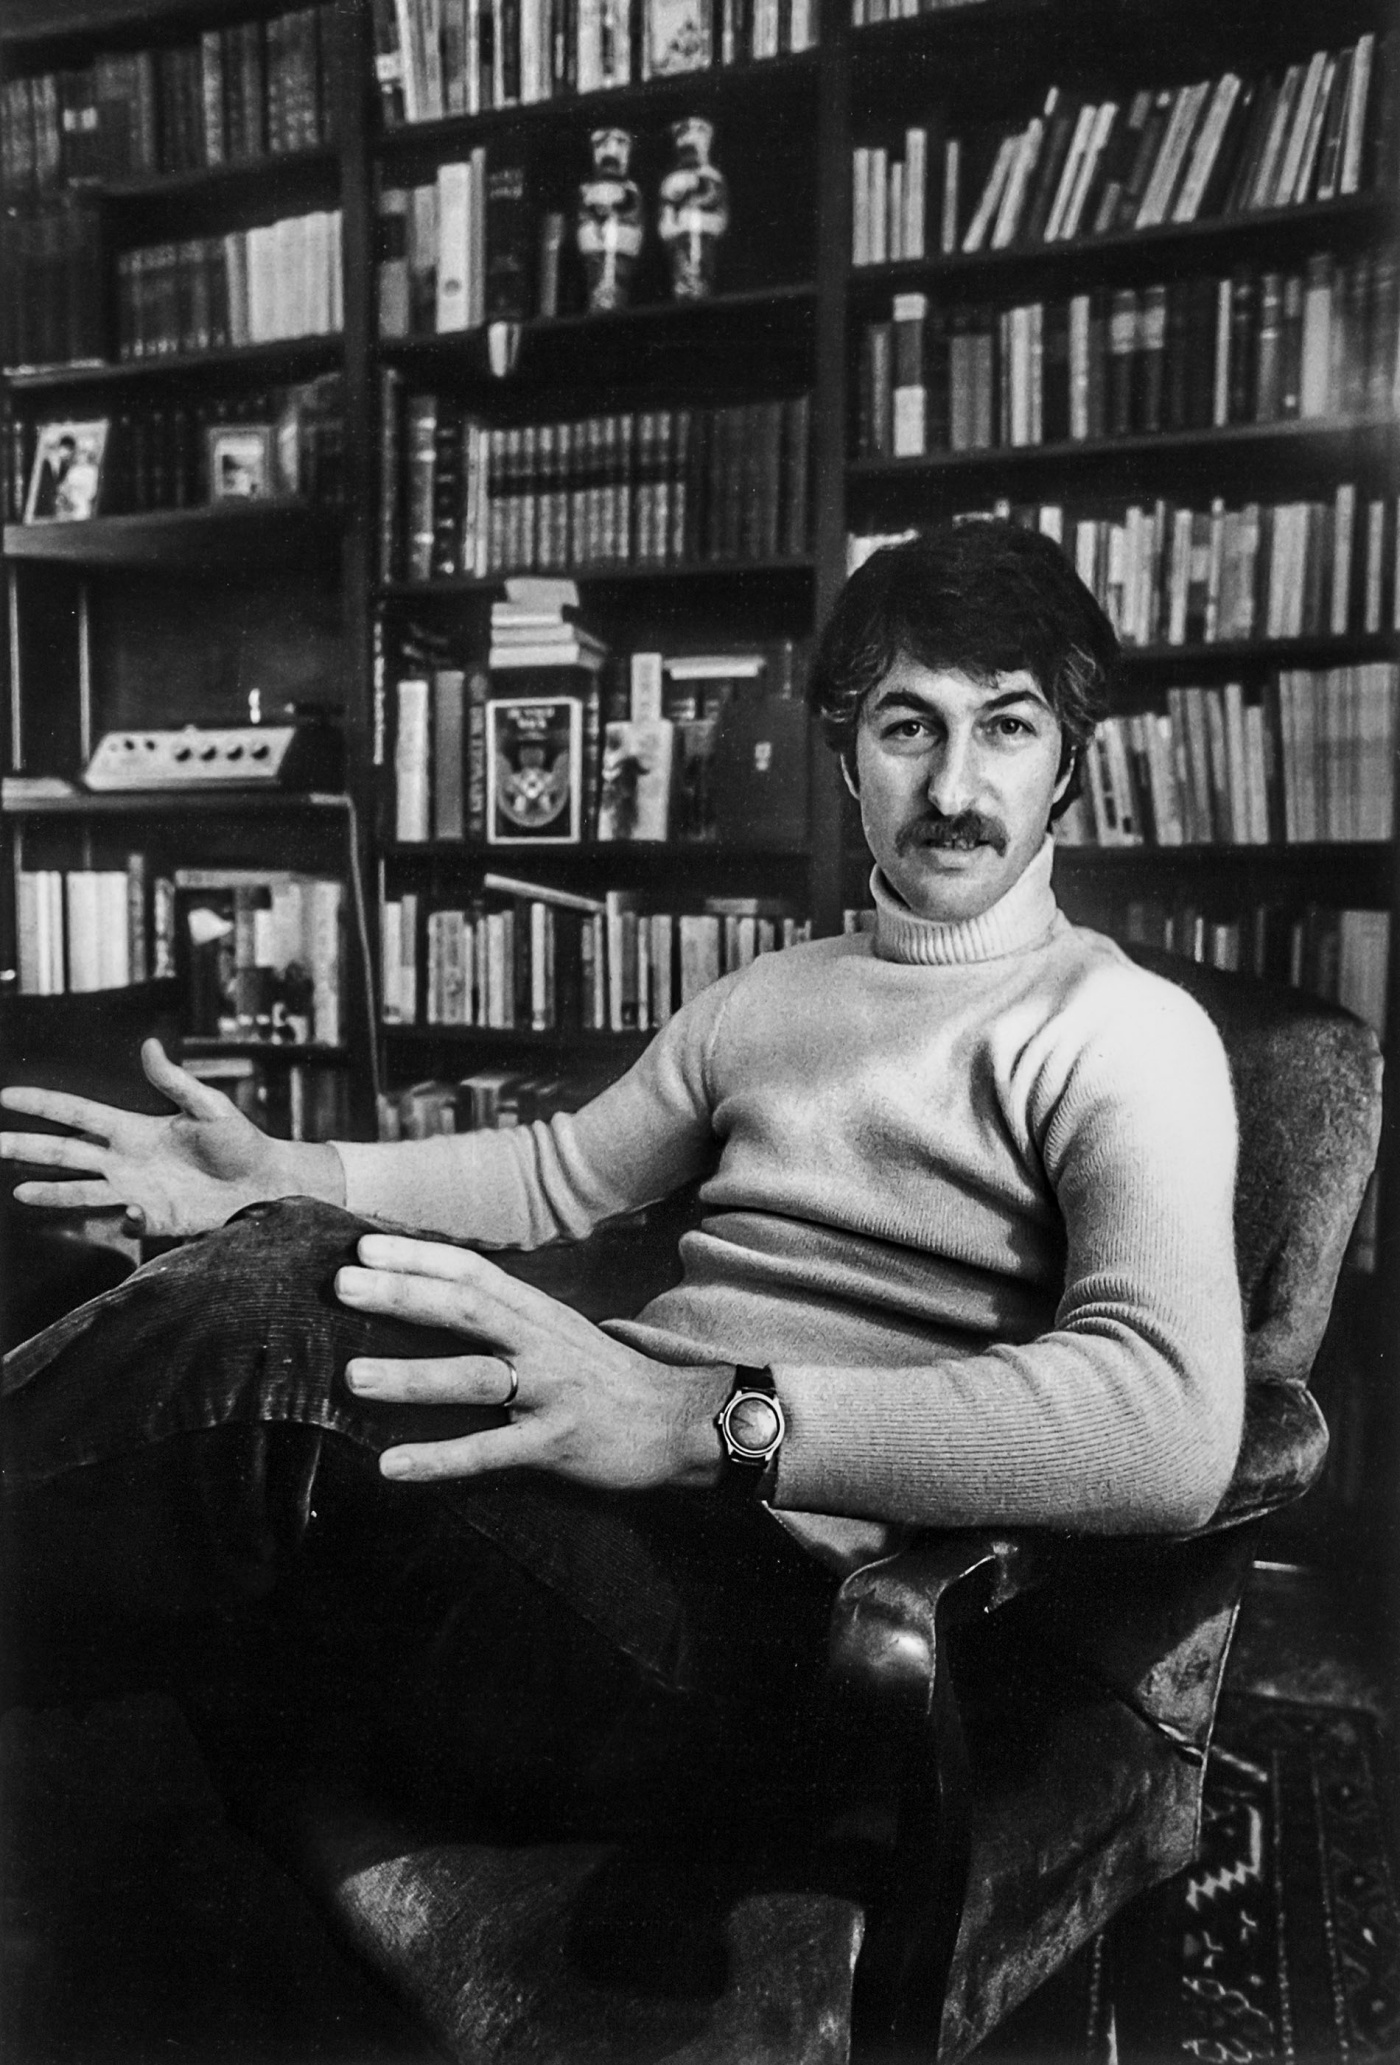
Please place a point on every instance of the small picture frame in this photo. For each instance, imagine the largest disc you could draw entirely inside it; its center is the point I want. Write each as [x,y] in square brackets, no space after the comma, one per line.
[241,465]
[65,484]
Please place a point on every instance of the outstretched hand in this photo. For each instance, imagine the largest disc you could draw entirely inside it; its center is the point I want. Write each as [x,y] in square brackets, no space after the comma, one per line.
[181,1174]
[588,1407]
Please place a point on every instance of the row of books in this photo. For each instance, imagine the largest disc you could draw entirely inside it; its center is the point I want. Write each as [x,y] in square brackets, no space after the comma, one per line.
[238,93]
[1213,148]
[488,1099]
[1167,575]
[158,455]
[52,312]
[458,57]
[1311,761]
[865,13]
[541,964]
[92,928]
[704,747]
[249,286]
[1341,956]
[1193,354]
[454,252]
[652,487]
[1172,576]
[259,953]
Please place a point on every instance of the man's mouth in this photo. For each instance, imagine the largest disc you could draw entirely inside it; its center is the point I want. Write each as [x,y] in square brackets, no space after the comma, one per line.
[958,834]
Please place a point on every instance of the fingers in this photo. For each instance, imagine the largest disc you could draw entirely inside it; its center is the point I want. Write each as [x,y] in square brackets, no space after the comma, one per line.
[404,1256]
[51,1150]
[472,1455]
[422,1299]
[197,1100]
[62,1110]
[69,1197]
[490,1289]
[432,1380]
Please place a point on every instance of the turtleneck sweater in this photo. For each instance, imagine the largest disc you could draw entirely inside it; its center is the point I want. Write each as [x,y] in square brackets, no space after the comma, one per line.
[973,1204]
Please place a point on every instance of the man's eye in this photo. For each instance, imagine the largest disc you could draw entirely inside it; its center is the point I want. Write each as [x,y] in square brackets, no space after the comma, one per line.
[1012,727]
[908,728]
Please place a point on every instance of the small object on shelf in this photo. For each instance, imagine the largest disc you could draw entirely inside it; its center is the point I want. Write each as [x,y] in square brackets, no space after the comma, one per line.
[694,210]
[66,481]
[241,462]
[638,772]
[677,37]
[534,770]
[609,225]
[245,756]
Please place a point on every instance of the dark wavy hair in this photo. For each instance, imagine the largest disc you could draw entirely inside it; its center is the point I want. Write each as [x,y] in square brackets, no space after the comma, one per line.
[984,597]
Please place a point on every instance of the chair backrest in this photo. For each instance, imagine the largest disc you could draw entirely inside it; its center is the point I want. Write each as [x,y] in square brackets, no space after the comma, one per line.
[1307,1088]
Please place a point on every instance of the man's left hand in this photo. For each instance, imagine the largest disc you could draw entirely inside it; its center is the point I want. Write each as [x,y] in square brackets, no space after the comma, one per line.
[588,1407]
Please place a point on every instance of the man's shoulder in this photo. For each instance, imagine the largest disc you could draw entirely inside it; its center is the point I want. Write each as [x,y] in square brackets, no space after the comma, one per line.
[1103,996]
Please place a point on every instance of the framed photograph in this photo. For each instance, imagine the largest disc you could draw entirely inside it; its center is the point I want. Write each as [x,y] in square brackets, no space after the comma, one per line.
[66,482]
[534,770]
[241,462]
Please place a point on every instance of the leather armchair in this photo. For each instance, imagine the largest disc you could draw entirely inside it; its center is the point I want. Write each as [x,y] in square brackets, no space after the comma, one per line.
[1040,1712]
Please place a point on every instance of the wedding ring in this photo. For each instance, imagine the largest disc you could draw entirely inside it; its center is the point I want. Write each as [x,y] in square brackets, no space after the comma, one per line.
[509,1400]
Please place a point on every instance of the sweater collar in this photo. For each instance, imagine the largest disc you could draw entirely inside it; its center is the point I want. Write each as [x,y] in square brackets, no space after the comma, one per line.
[1021,919]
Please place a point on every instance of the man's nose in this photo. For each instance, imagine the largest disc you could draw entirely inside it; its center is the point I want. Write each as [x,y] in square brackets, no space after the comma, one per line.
[952,776]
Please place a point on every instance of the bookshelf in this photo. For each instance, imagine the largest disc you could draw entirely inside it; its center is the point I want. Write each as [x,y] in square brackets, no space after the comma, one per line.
[130,617]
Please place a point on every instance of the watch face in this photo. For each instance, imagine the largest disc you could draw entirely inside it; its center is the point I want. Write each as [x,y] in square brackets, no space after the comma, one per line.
[754,1424]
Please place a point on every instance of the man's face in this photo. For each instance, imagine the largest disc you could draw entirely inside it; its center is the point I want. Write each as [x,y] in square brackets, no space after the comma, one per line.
[956,780]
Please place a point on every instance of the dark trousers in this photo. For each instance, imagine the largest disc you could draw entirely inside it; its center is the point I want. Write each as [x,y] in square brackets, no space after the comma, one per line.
[192,1501]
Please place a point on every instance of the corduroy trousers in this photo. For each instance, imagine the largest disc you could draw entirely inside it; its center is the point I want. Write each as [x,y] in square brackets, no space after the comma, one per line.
[192,1503]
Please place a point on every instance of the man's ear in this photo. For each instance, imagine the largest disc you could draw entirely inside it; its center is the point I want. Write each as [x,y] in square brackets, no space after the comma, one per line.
[848,776]
[1066,774]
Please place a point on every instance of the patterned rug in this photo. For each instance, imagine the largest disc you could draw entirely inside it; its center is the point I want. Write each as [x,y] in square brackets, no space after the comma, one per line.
[1281,1946]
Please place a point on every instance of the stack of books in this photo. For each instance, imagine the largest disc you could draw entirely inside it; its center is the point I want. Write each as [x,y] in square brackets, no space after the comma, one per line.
[536,626]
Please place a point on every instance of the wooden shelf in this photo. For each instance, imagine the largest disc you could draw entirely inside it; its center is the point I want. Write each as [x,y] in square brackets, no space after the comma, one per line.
[604,576]
[658,854]
[616,324]
[572,1038]
[642,101]
[286,358]
[264,1050]
[1176,240]
[1354,873]
[255,536]
[273,169]
[175,803]
[1322,649]
[1374,436]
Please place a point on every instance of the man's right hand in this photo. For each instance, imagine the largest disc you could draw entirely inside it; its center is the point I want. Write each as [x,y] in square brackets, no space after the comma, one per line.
[177,1175]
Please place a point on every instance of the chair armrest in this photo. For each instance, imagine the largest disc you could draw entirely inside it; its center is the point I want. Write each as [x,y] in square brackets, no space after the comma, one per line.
[886,1618]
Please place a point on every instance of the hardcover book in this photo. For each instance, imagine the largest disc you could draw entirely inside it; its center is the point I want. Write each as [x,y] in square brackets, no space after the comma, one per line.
[534,770]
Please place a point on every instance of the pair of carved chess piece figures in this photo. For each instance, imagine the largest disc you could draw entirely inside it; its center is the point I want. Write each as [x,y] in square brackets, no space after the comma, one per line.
[692,216]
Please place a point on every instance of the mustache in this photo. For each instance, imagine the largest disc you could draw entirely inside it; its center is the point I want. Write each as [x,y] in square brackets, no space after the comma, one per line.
[963,830]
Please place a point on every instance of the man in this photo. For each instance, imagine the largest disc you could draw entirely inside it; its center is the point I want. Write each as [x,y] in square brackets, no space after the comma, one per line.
[967,1258]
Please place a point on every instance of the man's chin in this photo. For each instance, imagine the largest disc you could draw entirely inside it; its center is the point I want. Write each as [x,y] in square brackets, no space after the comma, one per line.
[951,883]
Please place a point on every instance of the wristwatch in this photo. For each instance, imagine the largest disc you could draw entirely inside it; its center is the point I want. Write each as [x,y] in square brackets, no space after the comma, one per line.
[751,1426]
